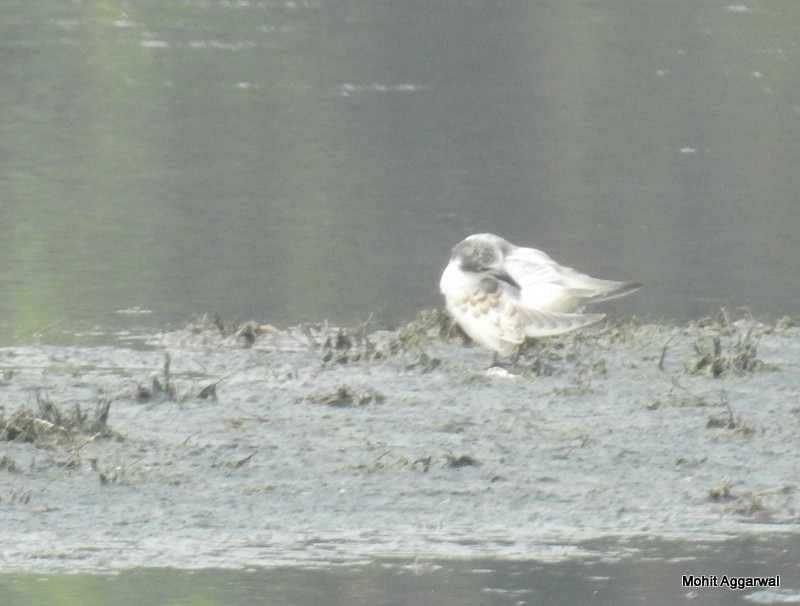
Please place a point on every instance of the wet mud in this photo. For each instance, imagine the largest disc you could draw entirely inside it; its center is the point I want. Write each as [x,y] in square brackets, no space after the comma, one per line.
[246,446]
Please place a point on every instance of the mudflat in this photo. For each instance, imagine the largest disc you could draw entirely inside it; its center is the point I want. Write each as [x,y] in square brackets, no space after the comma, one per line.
[242,446]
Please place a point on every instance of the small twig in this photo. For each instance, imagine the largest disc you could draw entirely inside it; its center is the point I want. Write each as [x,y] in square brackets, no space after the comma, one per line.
[697,398]
[307,332]
[723,401]
[189,438]
[245,460]
[380,456]
[88,441]
[365,326]
[664,351]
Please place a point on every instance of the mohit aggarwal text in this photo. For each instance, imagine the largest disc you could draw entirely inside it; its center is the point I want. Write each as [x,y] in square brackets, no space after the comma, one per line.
[723,580]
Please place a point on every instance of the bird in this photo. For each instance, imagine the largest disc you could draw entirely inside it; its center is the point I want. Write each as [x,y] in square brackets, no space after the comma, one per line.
[502,294]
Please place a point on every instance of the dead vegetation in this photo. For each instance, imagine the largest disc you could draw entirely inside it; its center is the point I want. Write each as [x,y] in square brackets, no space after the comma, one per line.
[160,389]
[421,464]
[241,462]
[48,423]
[679,396]
[124,474]
[429,326]
[462,460]
[738,357]
[344,397]
[356,344]
[728,420]
[17,497]
[164,388]
[9,465]
[246,333]
[721,492]
[722,347]
[578,355]
[754,507]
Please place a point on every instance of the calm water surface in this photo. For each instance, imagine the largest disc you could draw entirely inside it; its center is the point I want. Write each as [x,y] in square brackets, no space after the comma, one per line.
[652,571]
[292,161]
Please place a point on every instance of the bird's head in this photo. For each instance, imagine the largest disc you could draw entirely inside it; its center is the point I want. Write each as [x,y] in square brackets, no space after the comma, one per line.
[481,253]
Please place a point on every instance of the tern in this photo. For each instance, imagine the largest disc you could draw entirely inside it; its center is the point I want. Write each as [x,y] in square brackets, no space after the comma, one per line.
[502,294]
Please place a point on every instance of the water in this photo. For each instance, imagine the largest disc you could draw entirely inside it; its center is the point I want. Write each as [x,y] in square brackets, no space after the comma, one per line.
[644,571]
[292,161]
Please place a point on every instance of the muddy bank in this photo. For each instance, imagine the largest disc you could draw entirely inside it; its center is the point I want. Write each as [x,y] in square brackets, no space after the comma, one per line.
[221,447]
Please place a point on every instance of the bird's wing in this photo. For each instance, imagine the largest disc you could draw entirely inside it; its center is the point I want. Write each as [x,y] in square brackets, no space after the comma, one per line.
[549,323]
[544,284]
[547,286]
[490,313]
[531,267]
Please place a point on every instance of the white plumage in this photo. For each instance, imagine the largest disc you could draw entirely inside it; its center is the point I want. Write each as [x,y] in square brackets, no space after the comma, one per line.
[501,294]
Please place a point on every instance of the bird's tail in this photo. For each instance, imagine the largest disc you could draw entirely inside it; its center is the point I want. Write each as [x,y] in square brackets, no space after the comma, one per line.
[605,290]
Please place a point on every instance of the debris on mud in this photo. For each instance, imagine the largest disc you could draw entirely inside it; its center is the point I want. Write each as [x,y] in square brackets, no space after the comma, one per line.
[754,507]
[8,464]
[248,332]
[48,423]
[346,396]
[463,460]
[621,429]
[739,356]
[724,347]
[430,326]
[209,392]
[159,390]
[245,333]
[728,420]
[721,492]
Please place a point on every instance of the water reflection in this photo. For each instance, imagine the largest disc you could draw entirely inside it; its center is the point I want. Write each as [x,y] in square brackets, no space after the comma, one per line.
[300,160]
[626,572]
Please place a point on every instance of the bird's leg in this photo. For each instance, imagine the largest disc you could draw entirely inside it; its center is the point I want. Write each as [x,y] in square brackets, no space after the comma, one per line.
[511,362]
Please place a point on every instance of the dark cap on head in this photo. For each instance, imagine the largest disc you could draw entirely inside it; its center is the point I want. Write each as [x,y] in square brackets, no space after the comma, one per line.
[479,252]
